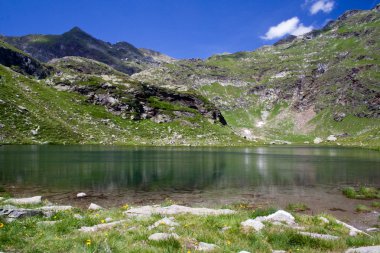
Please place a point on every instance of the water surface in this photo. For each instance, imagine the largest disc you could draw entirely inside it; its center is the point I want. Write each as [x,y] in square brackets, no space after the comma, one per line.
[190,175]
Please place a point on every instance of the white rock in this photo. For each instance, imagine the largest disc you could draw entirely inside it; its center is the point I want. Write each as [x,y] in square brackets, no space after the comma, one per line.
[9,220]
[81,195]
[108,219]
[331,138]
[252,223]
[244,251]
[94,207]
[175,209]
[101,226]
[165,221]
[369,249]
[1,199]
[25,201]
[278,251]
[372,229]
[202,246]
[320,236]
[78,216]
[323,219]
[224,229]
[353,231]
[55,208]
[279,216]
[162,236]
[318,140]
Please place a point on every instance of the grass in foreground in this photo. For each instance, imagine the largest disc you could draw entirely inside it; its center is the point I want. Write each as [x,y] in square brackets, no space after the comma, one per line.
[27,235]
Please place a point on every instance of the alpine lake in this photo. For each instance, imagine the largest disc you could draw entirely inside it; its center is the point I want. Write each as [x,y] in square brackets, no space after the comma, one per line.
[272,176]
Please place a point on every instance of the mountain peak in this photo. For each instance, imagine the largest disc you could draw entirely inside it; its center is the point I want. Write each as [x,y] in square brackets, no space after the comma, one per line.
[76,30]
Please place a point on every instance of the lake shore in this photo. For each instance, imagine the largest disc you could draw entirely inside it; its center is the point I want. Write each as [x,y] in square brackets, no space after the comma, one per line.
[329,201]
[172,228]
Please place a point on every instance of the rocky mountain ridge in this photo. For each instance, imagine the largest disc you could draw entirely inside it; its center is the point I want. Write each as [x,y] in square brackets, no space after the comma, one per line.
[122,56]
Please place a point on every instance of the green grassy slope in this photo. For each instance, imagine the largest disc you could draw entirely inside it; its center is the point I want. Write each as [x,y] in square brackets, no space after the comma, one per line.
[296,89]
[66,117]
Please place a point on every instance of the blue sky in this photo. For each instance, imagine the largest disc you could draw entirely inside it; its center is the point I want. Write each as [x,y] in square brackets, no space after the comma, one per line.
[179,28]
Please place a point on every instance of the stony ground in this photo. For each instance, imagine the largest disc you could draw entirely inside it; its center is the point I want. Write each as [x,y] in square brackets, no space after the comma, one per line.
[35,225]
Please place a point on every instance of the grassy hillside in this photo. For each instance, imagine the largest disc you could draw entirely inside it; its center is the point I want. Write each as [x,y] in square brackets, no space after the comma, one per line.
[32,112]
[319,84]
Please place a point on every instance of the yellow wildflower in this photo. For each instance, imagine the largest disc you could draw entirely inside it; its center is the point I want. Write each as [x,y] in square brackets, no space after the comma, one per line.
[103,221]
[228,242]
[126,206]
[1,225]
[88,242]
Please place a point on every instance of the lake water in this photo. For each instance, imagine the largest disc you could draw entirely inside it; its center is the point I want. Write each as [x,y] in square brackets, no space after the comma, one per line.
[213,176]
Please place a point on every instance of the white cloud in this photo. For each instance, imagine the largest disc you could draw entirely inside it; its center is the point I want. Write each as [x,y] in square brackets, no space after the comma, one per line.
[301,29]
[325,6]
[291,26]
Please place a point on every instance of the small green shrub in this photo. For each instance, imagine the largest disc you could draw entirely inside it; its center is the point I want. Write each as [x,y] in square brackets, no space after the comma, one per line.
[361,193]
[362,209]
[297,207]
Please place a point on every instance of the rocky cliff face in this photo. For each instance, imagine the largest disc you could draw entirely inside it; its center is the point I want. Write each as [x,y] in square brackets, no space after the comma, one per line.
[21,62]
[121,96]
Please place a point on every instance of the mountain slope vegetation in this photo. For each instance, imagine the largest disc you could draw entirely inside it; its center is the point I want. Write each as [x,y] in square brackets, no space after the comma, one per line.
[323,84]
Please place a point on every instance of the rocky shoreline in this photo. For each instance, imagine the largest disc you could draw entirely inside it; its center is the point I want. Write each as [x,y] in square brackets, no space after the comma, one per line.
[163,228]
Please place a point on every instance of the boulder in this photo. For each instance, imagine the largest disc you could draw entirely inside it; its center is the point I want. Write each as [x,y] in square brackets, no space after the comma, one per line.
[165,221]
[175,209]
[25,201]
[318,140]
[279,217]
[81,195]
[252,223]
[206,247]
[353,231]
[163,236]
[331,138]
[14,213]
[368,249]
[94,207]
